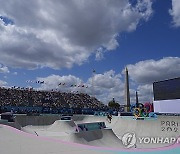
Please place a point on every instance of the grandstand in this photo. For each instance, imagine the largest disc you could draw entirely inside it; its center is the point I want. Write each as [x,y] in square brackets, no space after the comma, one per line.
[22,100]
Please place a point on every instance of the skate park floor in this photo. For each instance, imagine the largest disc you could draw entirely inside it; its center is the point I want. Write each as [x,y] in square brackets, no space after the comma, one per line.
[50,135]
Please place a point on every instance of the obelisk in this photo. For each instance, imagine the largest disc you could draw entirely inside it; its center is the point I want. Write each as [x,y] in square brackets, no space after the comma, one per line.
[127,95]
[137,100]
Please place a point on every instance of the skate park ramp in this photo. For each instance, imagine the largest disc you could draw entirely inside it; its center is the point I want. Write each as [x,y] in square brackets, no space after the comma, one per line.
[13,141]
[161,127]
[59,126]
[99,138]
[66,131]
[18,142]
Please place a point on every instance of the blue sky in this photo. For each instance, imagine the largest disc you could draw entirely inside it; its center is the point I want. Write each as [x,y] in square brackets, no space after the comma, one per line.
[67,40]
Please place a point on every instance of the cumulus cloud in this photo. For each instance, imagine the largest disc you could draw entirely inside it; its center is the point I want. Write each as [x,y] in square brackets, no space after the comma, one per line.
[148,71]
[3,83]
[175,12]
[105,86]
[62,33]
[106,80]
[100,54]
[145,93]
[108,85]
[53,81]
[4,69]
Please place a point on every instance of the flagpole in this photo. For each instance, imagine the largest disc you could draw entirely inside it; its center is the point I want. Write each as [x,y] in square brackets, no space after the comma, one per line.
[81,87]
[93,75]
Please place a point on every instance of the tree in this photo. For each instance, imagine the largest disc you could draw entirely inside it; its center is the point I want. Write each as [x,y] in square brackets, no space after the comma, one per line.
[113,104]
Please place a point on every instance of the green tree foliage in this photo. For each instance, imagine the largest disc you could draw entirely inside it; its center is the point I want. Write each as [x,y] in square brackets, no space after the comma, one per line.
[113,104]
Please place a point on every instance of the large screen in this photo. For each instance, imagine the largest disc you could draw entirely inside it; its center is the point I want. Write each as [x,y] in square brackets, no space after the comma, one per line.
[167,89]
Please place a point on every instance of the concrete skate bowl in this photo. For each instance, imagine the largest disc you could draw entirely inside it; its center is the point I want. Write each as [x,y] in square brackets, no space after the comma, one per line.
[99,138]
[53,127]
[66,130]
[149,132]
[17,142]
[14,141]
[57,129]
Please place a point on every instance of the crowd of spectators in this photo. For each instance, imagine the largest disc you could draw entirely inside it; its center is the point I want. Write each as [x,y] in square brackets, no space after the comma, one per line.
[53,99]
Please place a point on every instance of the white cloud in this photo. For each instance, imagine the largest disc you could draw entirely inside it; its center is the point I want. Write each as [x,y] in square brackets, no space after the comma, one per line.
[106,80]
[105,86]
[145,93]
[4,69]
[175,12]
[99,54]
[148,71]
[108,85]
[3,83]
[53,81]
[62,33]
